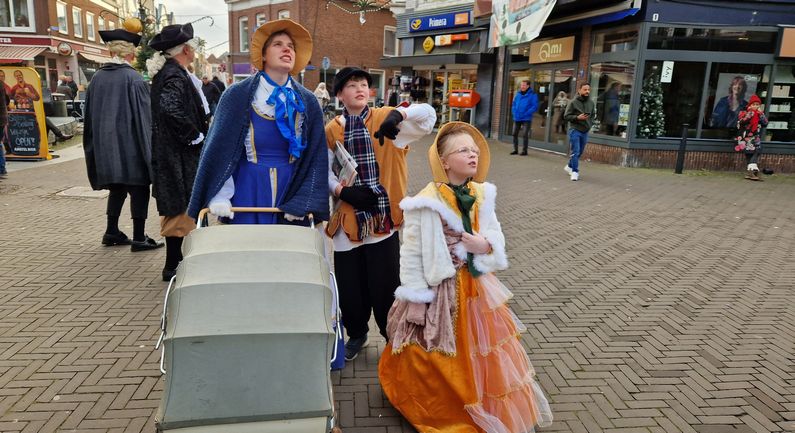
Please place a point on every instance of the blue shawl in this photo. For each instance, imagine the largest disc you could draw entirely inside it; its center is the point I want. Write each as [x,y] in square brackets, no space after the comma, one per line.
[308,189]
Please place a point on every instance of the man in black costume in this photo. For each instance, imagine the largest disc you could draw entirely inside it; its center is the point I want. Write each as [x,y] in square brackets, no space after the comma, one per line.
[117,139]
[179,125]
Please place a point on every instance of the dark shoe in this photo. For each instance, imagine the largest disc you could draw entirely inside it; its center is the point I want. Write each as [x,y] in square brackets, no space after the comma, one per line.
[755,175]
[354,346]
[146,244]
[168,274]
[119,238]
[64,137]
[523,153]
[515,152]
[748,174]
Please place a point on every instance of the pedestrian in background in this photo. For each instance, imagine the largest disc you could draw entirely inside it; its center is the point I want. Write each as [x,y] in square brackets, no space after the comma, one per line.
[117,139]
[749,136]
[367,215]
[218,83]
[454,361]
[579,113]
[558,107]
[211,93]
[179,125]
[525,104]
[323,98]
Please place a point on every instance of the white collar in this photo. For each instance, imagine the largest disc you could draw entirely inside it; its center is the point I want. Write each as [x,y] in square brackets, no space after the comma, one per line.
[264,90]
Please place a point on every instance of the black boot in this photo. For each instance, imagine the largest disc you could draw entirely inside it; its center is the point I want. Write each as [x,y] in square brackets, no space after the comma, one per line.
[524,150]
[515,149]
[173,256]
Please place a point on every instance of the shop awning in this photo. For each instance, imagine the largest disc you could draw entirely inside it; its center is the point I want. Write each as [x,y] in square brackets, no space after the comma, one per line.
[94,57]
[438,59]
[17,53]
[590,18]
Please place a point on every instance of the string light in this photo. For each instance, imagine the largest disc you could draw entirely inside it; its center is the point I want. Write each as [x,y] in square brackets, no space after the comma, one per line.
[364,6]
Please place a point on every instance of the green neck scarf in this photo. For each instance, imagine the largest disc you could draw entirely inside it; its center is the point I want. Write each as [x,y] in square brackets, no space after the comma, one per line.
[465,202]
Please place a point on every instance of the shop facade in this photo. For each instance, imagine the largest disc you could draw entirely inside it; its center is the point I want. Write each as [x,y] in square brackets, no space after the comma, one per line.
[702,74]
[443,52]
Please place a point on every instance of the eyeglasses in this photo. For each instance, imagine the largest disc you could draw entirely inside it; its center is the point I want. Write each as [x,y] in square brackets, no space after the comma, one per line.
[465,150]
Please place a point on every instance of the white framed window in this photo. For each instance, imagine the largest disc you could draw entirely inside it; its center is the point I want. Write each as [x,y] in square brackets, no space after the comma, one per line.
[100,23]
[243,27]
[63,23]
[261,19]
[390,41]
[77,22]
[90,30]
[111,25]
[17,15]
[284,13]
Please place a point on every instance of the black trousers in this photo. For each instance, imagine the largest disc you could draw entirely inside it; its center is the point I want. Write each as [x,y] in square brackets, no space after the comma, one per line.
[51,127]
[139,200]
[516,127]
[753,157]
[367,277]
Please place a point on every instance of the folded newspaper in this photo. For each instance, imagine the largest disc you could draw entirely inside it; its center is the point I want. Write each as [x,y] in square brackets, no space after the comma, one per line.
[344,166]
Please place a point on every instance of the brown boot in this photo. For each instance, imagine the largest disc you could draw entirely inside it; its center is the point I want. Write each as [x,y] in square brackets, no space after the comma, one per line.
[748,174]
[755,175]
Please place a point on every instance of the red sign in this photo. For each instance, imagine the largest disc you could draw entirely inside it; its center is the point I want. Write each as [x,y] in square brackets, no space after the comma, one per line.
[16,40]
[460,37]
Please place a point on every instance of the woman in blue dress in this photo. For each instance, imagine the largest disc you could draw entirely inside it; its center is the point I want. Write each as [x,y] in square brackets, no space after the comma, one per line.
[267,145]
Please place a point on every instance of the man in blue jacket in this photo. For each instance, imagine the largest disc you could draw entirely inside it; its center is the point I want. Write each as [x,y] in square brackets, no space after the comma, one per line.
[525,104]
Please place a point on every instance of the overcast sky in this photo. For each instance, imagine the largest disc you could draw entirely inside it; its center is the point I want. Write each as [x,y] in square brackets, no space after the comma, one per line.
[191,10]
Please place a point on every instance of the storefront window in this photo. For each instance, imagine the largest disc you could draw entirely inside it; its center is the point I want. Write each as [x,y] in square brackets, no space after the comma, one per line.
[611,89]
[730,87]
[781,116]
[680,92]
[700,39]
[613,40]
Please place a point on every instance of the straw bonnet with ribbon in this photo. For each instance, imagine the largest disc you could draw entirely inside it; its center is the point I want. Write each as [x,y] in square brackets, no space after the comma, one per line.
[439,174]
[299,35]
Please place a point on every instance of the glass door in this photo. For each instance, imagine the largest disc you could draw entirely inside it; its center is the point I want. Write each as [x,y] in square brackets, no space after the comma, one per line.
[542,85]
[563,91]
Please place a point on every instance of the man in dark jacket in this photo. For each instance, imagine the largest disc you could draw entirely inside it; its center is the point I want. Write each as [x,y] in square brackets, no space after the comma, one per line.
[117,140]
[219,84]
[579,113]
[525,104]
[178,128]
[211,93]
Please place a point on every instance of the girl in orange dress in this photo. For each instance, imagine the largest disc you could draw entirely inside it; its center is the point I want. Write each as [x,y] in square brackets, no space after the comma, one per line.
[454,363]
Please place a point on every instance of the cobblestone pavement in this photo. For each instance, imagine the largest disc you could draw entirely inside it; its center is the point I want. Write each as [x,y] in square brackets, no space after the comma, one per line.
[654,302]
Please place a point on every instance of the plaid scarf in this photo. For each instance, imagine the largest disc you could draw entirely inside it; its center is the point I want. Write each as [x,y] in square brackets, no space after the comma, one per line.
[359,145]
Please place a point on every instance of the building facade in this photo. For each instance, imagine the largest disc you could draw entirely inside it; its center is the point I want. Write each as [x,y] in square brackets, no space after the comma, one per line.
[702,60]
[338,37]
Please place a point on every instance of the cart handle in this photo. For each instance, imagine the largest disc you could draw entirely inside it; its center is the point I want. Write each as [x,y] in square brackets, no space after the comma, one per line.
[338,313]
[159,344]
[203,213]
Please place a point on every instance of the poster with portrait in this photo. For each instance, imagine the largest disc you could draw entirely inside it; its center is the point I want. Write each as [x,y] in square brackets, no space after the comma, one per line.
[25,135]
[731,96]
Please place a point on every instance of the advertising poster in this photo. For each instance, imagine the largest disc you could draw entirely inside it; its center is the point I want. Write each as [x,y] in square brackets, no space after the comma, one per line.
[25,136]
[731,97]
[517,21]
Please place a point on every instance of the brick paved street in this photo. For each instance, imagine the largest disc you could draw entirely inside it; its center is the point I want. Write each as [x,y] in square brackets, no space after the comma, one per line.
[654,302]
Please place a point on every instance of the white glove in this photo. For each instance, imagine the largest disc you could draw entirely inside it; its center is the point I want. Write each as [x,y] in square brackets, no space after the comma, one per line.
[198,139]
[292,218]
[221,208]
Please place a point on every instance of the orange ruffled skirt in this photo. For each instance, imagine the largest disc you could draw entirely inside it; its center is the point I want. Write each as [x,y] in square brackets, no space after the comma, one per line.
[486,385]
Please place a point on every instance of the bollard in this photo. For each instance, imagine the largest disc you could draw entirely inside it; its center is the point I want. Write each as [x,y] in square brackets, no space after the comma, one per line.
[680,155]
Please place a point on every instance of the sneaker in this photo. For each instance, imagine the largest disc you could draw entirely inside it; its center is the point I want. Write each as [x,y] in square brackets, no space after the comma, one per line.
[575,175]
[354,346]
[567,169]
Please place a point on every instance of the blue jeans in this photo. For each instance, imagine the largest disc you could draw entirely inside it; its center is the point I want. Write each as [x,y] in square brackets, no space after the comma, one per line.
[2,159]
[577,141]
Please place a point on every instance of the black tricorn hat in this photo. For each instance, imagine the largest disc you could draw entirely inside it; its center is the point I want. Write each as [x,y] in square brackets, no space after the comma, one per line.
[120,35]
[345,74]
[171,36]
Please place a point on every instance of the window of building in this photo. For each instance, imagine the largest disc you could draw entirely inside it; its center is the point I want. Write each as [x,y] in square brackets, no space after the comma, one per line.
[701,39]
[243,25]
[613,40]
[284,13]
[77,22]
[680,92]
[111,25]
[63,25]
[730,87]
[90,30]
[390,41]
[101,23]
[780,113]
[611,89]
[16,15]
[261,19]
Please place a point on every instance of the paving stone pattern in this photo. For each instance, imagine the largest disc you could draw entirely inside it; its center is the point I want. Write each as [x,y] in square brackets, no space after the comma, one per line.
[654,303]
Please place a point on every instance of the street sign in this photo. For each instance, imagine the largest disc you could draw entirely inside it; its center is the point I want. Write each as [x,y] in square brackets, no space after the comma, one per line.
[325,63]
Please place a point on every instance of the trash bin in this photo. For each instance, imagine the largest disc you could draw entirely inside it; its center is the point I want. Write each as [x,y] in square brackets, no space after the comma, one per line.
[59,105]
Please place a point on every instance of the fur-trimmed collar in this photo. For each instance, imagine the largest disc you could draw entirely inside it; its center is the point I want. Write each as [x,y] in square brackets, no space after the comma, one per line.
[430,198]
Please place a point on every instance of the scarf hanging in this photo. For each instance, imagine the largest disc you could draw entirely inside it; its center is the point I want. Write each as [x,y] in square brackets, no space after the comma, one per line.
[358,144]
[465,201]
[285,112]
